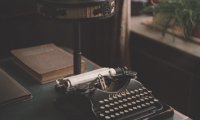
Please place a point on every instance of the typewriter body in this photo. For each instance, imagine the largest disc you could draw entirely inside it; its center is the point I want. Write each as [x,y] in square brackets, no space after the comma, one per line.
[111,97]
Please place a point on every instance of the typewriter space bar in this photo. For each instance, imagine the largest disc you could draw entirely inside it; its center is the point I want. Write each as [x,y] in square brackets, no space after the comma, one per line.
[140,115]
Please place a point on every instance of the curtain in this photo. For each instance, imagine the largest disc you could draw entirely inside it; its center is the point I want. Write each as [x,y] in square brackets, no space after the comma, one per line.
[121,34]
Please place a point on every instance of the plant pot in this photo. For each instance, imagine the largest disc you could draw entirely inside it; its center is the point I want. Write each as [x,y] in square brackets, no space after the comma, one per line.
[162,19]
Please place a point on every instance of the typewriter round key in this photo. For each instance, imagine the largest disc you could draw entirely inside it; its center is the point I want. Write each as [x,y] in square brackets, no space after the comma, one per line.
[146,98]
[116,103]
[112,116]
[141,94]
[130,109]
[102,107]
[105,100]
[124,105]
[101,101]
[134,103]
[139,107]
[123,94]
[147,104]
[137,96]
[142,100]
[107,105]
[120,107]
[115,108]
[128,93]
[133,97]
[125,100]
[112,104]
[125,111]
[111,99]
[137,101]
[121,112]
[143,105]
[107,118]
[150,97]
[119,96]
[115,97]
[150,92]
[107,112]
[101,115]
[132,92]
[129,98]
[140,89]
[136,91]
[111,110]
[117,114]
[120,101]
[129,104]
[151,102]
[155,100]
[134,108]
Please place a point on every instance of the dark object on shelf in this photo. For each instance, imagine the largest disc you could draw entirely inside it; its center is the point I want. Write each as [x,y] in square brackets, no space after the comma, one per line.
[137,6]
[76,11]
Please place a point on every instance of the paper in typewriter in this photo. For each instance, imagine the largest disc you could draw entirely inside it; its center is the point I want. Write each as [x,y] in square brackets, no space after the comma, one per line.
[10,90]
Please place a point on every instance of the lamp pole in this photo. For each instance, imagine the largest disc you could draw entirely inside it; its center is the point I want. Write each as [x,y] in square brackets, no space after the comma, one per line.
[77,48]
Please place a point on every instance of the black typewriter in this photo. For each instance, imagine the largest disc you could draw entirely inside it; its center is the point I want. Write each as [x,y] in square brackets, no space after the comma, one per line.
[111,95]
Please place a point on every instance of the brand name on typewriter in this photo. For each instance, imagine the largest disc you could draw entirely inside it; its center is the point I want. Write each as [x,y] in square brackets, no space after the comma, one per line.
[123,92]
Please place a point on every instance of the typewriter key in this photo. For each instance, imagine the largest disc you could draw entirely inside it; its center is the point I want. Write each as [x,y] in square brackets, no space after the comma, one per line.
[117,114]
[107,118]
[102,107]
[107,112]
[107,105]
[101,102]
[115,108]
[112,116]
[130,109]
[101,115]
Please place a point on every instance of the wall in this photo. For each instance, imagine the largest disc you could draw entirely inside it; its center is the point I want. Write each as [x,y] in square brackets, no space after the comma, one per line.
[21,26]
[172,75]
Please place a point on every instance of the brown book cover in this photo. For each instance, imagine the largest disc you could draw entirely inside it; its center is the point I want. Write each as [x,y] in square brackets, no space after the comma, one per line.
[10,90]
[46,62]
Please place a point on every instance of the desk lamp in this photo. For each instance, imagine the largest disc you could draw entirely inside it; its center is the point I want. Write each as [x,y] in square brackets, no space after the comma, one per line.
[76,11]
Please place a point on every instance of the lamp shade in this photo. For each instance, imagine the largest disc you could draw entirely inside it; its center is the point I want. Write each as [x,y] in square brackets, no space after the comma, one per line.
[76,9]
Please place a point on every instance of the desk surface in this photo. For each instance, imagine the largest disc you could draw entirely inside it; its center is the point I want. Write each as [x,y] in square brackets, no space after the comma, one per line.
[41,106]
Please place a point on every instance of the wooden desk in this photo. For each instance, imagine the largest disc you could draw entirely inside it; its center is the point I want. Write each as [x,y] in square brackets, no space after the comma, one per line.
[41,106]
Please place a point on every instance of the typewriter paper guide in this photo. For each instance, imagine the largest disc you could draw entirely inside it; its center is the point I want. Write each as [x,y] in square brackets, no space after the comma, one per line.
[10,90]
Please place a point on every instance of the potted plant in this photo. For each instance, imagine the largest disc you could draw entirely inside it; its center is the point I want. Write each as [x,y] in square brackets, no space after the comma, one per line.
[182,13]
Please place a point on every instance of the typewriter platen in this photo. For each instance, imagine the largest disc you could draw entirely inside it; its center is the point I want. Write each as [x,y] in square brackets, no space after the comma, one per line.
[111,95]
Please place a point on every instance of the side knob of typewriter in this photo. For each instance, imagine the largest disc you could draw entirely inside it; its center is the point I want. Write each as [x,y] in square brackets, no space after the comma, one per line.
[76,9]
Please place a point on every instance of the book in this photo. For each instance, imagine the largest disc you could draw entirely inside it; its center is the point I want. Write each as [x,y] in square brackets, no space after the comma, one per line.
[11,91]
[46,62]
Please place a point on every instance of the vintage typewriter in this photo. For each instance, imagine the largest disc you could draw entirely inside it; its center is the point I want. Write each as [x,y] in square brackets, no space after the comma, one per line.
[109,94]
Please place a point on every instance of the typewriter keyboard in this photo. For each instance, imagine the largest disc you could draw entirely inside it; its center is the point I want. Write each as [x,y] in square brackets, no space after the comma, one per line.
[128,104]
